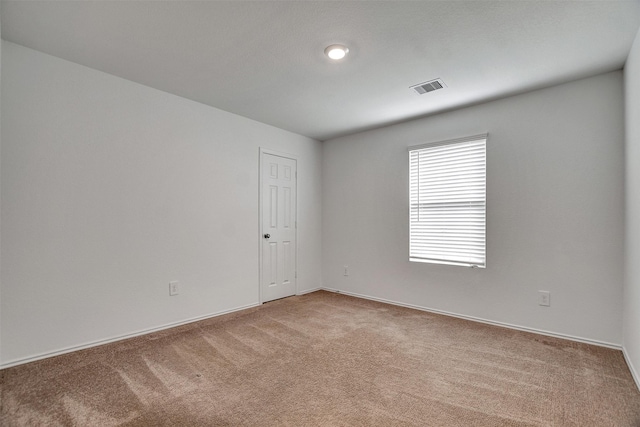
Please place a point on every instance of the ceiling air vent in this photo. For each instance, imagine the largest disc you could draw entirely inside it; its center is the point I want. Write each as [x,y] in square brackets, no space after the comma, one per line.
[429,86]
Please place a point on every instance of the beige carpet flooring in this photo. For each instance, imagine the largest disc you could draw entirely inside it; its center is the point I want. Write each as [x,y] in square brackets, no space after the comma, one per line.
[326,359]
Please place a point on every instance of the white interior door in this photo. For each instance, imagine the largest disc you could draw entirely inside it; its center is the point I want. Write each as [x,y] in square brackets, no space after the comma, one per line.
[278,226]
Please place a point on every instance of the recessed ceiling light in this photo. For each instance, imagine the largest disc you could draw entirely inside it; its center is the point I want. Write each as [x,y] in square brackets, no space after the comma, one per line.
[336,51]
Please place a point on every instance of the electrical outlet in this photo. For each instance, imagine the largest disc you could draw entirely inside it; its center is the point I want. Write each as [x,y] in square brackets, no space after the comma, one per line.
[346,270]
[174,288]
[544,298]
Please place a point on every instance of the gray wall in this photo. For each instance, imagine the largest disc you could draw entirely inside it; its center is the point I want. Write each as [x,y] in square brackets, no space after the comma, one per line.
[631,340]
[111,189]
[555,212]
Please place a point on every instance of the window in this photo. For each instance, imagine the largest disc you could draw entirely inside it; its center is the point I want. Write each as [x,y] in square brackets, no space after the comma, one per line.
[447,203]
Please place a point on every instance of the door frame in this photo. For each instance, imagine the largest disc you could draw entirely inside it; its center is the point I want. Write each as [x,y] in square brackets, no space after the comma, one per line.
[261,166]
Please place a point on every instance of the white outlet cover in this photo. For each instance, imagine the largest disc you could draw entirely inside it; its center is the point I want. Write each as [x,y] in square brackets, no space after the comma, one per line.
[174,288]
[544,298]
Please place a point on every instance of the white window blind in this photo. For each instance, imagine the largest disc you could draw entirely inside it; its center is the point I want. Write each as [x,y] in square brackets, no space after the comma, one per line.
[447,192]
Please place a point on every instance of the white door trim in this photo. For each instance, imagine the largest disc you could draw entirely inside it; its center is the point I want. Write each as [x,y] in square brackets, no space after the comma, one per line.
[264,151]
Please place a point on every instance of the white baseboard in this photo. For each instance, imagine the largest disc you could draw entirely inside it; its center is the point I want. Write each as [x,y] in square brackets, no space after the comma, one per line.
[65,350]
[34,358]
[481,320]
[308,291]
[632,368]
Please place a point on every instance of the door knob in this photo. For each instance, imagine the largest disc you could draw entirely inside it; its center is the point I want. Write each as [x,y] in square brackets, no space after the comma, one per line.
[266,236]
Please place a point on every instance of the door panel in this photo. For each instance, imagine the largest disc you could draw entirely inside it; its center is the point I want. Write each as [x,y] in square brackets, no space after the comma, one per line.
[278,225]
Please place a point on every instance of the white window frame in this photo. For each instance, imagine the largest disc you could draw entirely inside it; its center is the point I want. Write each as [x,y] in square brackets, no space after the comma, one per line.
[447,202]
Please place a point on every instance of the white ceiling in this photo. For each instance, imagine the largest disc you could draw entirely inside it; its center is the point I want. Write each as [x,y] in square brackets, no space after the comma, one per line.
[264,60]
